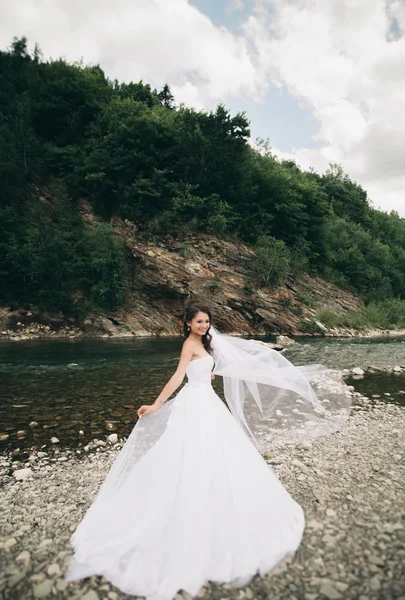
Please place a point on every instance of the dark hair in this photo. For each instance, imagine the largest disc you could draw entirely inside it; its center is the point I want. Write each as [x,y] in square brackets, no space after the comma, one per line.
[189,315]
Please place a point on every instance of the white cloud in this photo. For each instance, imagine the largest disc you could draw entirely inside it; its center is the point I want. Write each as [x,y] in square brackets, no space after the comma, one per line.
[158,41]
[336,57]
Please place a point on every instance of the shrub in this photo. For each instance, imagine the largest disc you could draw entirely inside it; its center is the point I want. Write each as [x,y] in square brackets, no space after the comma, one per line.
[214,285]
[272,261]
[330,317]
[308,327]
[305,298]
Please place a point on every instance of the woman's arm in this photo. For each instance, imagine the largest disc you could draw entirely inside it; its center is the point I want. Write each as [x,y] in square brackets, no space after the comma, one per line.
[172,384]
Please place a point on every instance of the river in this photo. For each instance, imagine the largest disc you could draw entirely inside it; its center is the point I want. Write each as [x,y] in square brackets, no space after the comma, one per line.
[97,385]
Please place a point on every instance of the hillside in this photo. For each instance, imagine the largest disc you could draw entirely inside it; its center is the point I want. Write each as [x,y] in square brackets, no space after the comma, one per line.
[165,274]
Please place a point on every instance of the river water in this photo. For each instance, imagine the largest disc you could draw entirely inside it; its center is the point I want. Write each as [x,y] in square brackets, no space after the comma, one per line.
[97,385]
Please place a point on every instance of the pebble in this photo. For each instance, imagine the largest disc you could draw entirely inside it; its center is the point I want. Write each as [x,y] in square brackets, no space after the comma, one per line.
[113,438]
[8,544]
[23,558]
[22,474]
[375,583]
[53,569]
[91,595]
[61,585]
[43,589]
[44,544]
[330,592]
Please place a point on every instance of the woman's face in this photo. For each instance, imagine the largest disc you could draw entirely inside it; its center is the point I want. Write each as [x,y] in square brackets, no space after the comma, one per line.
[200,324]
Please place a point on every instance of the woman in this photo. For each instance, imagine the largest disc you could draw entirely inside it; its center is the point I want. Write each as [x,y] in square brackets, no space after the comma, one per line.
[189,498]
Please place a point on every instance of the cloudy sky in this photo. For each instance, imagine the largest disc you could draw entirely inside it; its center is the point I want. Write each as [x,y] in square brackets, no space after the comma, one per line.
[323,80]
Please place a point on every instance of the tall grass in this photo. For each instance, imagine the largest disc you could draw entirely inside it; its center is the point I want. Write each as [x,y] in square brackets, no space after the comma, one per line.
[386,314]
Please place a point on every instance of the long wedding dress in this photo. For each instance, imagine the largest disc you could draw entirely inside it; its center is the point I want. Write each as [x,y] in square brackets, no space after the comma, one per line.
[188,499]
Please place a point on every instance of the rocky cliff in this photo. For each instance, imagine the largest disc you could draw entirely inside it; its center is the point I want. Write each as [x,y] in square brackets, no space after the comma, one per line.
[167,273]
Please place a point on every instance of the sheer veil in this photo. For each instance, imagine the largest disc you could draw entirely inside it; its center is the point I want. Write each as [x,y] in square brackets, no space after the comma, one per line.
[275,402]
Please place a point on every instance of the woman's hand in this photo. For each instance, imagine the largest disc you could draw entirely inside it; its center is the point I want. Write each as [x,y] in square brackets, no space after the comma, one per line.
[146,410]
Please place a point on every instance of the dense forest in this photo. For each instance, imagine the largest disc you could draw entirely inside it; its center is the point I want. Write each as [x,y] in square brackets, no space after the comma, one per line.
[133,153]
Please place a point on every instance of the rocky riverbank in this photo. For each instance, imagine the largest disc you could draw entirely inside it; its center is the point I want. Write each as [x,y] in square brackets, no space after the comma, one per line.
[22,325]
[350,485]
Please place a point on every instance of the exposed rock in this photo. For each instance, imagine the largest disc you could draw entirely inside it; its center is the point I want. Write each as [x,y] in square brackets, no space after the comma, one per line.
[169,273]
[321,326]
[284,341]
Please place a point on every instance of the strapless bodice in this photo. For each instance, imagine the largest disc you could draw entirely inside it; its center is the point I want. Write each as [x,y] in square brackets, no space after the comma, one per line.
[199,370]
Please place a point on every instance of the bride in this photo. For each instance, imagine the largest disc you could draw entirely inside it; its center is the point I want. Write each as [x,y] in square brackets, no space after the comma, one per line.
[189,498]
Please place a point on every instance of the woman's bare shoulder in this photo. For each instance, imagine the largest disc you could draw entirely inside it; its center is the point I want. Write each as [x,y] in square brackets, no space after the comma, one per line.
[189,344]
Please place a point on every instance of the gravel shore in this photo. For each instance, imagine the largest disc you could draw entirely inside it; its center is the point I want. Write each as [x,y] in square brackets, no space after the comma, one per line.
[350,484]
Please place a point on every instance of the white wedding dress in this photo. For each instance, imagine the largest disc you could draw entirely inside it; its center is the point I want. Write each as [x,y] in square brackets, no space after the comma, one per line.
[193,501]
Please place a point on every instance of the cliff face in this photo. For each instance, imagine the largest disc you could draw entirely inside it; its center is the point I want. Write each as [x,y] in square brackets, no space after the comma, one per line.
[166,274]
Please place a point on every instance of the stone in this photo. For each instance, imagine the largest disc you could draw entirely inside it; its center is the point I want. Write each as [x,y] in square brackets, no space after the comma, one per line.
[113,438]
[330,512]
[285,341]
[112,595]
[22,474]
[38,577]
[23,558]
[61,585]
[328,590]
[376,560]
[313,524]
[342,587]
[321,326]
[90,595]
[43,589]
[54,440]
[16,578]
[44,543]
[328,539]
[8,544]
[375,583]
[53,569]
[357,371]
[397,369]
